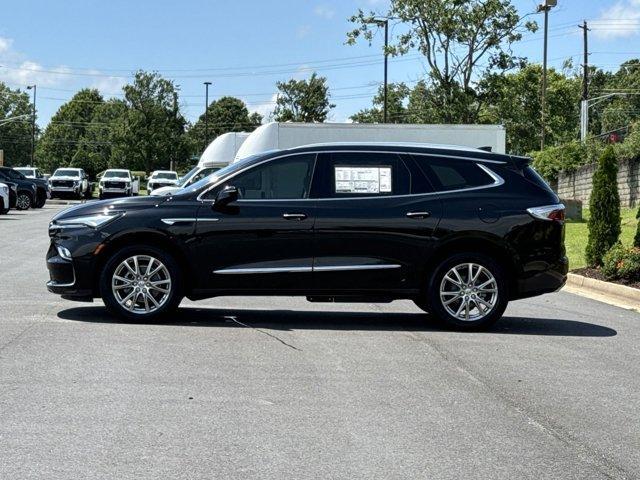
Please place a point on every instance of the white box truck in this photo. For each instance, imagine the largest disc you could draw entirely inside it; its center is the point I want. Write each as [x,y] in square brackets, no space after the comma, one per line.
[278,136]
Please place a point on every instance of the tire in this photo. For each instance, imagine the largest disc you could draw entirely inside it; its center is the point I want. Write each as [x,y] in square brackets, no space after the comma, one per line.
[41,201]
[140,304]
[486,306]
[24,201]
[3,209]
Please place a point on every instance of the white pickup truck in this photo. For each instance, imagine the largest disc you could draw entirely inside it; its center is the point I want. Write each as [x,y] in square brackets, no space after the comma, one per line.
[118,183]
[72,181]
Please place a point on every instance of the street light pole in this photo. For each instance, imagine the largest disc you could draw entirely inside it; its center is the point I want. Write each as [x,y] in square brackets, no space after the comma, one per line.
[33,126]
[206,114]
[545,6]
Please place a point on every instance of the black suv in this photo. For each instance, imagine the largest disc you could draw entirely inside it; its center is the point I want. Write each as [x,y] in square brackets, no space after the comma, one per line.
[32,192]
[459,231]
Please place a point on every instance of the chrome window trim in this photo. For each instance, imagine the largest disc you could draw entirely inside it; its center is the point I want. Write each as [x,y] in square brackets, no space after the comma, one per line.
[497,179]
[327,268]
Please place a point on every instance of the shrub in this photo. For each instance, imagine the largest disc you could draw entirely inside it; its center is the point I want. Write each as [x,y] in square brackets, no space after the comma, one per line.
[604,206]
[622,263]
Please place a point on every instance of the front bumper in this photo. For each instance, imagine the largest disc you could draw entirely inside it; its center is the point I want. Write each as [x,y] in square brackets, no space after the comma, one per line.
[68,278]
[55,190]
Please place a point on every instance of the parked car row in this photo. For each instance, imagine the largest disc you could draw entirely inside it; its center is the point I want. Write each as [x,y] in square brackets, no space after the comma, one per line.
[23,193]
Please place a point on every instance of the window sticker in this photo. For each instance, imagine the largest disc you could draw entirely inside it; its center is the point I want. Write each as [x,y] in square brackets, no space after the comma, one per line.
[363,179]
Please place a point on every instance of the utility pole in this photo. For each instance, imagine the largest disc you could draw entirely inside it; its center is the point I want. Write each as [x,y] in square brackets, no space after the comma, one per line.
[206,114]
[545,6]
[386,66]
[384,22]
[584,104]
[33,126]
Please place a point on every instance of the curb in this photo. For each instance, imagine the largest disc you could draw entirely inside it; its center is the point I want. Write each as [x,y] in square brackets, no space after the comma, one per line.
[607,292]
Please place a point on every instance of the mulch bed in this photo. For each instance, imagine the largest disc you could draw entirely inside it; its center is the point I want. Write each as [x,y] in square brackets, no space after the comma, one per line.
[597,274]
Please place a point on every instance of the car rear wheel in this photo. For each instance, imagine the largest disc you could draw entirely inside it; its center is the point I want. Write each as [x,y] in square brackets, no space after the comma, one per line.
[24,201]
[141,284]
[467,291]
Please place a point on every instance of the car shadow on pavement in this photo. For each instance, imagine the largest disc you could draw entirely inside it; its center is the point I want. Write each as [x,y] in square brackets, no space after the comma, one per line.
[340,320]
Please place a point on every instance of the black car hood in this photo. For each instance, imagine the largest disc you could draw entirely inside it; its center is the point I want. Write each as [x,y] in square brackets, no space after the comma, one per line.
[118,204]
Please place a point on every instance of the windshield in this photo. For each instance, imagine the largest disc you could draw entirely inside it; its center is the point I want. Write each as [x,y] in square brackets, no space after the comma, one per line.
[66,173]
[166,175]
[187,176]
[224,172]
[116,174]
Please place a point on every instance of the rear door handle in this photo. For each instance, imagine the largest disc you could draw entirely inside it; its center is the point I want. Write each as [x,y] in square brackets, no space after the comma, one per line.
[294,216]
[418,215]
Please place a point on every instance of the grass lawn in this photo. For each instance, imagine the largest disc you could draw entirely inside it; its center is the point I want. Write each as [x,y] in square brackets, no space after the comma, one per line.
[577,234]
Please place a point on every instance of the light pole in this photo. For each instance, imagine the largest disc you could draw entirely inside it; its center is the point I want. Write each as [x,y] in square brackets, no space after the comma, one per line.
[545,6]
[33,126]
[384,22]
[206,114]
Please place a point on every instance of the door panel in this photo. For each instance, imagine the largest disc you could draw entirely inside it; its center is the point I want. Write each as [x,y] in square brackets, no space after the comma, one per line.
[263,241]
[371,241]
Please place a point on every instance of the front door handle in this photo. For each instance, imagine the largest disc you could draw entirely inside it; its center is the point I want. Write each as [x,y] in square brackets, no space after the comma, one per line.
[294,216]
[418,215]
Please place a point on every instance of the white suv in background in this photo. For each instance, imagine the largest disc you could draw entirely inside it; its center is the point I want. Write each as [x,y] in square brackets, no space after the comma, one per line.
[118,182]
[29,172]
[70,181]
[161,178]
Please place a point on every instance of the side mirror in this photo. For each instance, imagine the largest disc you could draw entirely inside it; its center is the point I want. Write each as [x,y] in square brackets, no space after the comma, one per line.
[227,195]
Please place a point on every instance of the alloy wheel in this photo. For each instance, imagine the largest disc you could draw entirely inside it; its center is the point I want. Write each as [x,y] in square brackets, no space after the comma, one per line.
[141,284]
[23,202]
[469,292]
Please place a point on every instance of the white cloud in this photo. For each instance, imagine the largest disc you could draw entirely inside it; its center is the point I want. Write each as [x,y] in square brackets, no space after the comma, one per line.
[265,109]
[324,11]
[107,85]
[621,20]
[303,30]
[5,44]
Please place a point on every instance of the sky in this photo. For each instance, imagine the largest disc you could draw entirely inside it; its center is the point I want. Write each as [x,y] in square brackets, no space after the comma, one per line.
[245,46]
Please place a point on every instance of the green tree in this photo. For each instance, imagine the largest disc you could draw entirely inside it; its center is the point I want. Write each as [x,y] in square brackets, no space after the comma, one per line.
[94,153]
[460,40]
[303,100]
[15,136]
[228,114]
[59,142]
[513,100]
[396,111]
[604,207]
[151,134]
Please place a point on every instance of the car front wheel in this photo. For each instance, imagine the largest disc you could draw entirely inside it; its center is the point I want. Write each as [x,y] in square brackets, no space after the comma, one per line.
[141,284]
[467,291]
[24,201]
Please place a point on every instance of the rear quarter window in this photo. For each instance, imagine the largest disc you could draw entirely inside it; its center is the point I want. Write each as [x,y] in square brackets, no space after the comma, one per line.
[451,174]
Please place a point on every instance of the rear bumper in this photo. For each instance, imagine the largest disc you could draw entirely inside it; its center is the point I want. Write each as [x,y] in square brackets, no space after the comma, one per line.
[538,281]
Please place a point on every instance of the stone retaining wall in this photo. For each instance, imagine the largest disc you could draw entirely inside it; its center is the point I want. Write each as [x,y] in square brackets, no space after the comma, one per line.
[577,185]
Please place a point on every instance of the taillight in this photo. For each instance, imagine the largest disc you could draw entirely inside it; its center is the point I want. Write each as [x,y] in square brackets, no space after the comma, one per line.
[548,212]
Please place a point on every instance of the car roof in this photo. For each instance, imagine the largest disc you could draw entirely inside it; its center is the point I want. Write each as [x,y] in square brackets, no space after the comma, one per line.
[457,151]
[163,171]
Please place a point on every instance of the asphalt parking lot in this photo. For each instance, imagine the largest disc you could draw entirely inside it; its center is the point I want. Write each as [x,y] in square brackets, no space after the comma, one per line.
[281,388]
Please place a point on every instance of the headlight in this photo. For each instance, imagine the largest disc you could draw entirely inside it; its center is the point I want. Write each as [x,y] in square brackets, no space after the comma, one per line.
[92,221]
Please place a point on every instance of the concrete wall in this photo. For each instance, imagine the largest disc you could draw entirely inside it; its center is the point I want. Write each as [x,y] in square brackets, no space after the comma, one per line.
[577,185]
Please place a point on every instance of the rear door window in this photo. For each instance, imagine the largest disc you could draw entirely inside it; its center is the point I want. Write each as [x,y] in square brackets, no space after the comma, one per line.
[361,174]
[451,174]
